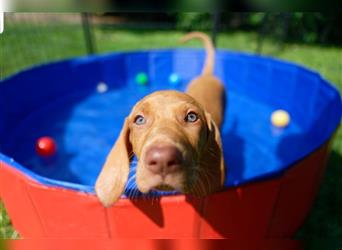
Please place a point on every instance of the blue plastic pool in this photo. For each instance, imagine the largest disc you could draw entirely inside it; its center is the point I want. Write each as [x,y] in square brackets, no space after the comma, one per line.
[61,100]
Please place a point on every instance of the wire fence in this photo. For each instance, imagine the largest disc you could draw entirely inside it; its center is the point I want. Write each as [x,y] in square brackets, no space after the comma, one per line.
[32,38]
[37,38]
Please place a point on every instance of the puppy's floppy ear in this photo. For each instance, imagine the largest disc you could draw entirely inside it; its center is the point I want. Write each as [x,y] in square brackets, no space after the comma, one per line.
[111,182]
[214,156]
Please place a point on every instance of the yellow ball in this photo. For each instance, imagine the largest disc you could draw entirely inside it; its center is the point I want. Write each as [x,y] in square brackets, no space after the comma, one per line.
[280,118]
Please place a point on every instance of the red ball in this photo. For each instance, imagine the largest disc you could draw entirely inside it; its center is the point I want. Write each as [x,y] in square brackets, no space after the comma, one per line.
[46,146]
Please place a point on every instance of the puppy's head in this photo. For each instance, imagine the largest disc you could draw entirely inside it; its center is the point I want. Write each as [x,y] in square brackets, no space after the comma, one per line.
[177,146]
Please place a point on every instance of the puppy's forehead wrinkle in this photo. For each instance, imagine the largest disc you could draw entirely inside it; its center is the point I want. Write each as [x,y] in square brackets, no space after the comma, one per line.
[162,100]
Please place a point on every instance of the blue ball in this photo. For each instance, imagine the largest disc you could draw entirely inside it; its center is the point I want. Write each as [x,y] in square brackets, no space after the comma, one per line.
[174,79]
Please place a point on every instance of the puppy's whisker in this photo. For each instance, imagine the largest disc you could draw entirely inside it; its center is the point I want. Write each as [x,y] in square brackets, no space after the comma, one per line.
[133,176]
[130,194]
[198,190]
[136,193]
[130,183]
[208,167]
[203,187]
[133,192]
[210,173]
[153,196]
[132,172]
[213,153]
[196,186]
[201,183]
[208,177]
[156,198]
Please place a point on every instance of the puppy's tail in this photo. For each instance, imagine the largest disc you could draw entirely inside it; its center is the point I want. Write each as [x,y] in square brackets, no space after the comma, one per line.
[209,47]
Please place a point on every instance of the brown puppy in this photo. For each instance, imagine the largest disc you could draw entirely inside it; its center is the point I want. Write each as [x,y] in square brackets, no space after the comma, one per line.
[175,139]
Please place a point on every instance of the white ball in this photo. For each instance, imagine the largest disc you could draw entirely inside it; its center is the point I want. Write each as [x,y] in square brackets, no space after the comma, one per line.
[101,87]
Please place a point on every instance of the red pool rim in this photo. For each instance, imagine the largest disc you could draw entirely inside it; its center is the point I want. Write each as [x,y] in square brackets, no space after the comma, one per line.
[264,209]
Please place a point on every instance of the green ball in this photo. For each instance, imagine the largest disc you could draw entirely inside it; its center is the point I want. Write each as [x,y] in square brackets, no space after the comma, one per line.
[141,79]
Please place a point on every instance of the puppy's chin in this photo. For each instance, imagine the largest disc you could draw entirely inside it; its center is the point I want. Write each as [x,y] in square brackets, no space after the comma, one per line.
[164,187]
[152,182]
[159,186]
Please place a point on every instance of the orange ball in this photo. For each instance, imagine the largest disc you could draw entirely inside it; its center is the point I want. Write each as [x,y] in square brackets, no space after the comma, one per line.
[46,146]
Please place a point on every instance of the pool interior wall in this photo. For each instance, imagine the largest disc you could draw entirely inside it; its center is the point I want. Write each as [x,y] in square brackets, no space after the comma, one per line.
[61,100]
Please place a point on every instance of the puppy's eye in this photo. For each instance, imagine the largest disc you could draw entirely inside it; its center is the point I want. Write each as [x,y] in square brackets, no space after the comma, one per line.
[191,117]
[139,120]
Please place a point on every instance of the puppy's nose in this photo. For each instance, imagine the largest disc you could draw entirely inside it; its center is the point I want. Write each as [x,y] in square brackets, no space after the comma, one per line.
[163,160]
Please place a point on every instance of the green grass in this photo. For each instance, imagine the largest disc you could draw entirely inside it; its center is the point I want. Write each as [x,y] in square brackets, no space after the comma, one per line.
[25,45]
[6,229]
[21,45]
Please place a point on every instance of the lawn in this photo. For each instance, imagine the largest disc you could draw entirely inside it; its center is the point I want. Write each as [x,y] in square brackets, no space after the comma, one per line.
[28,44]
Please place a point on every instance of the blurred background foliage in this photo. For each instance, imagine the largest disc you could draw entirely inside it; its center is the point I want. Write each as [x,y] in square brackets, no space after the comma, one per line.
[306,27]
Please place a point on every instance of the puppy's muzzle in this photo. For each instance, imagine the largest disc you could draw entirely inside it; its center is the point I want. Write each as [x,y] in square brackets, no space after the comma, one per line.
[163,160]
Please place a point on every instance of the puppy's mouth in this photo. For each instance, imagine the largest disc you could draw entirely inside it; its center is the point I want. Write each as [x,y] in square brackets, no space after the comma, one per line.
[156,182]
[148,181]
[163,187]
